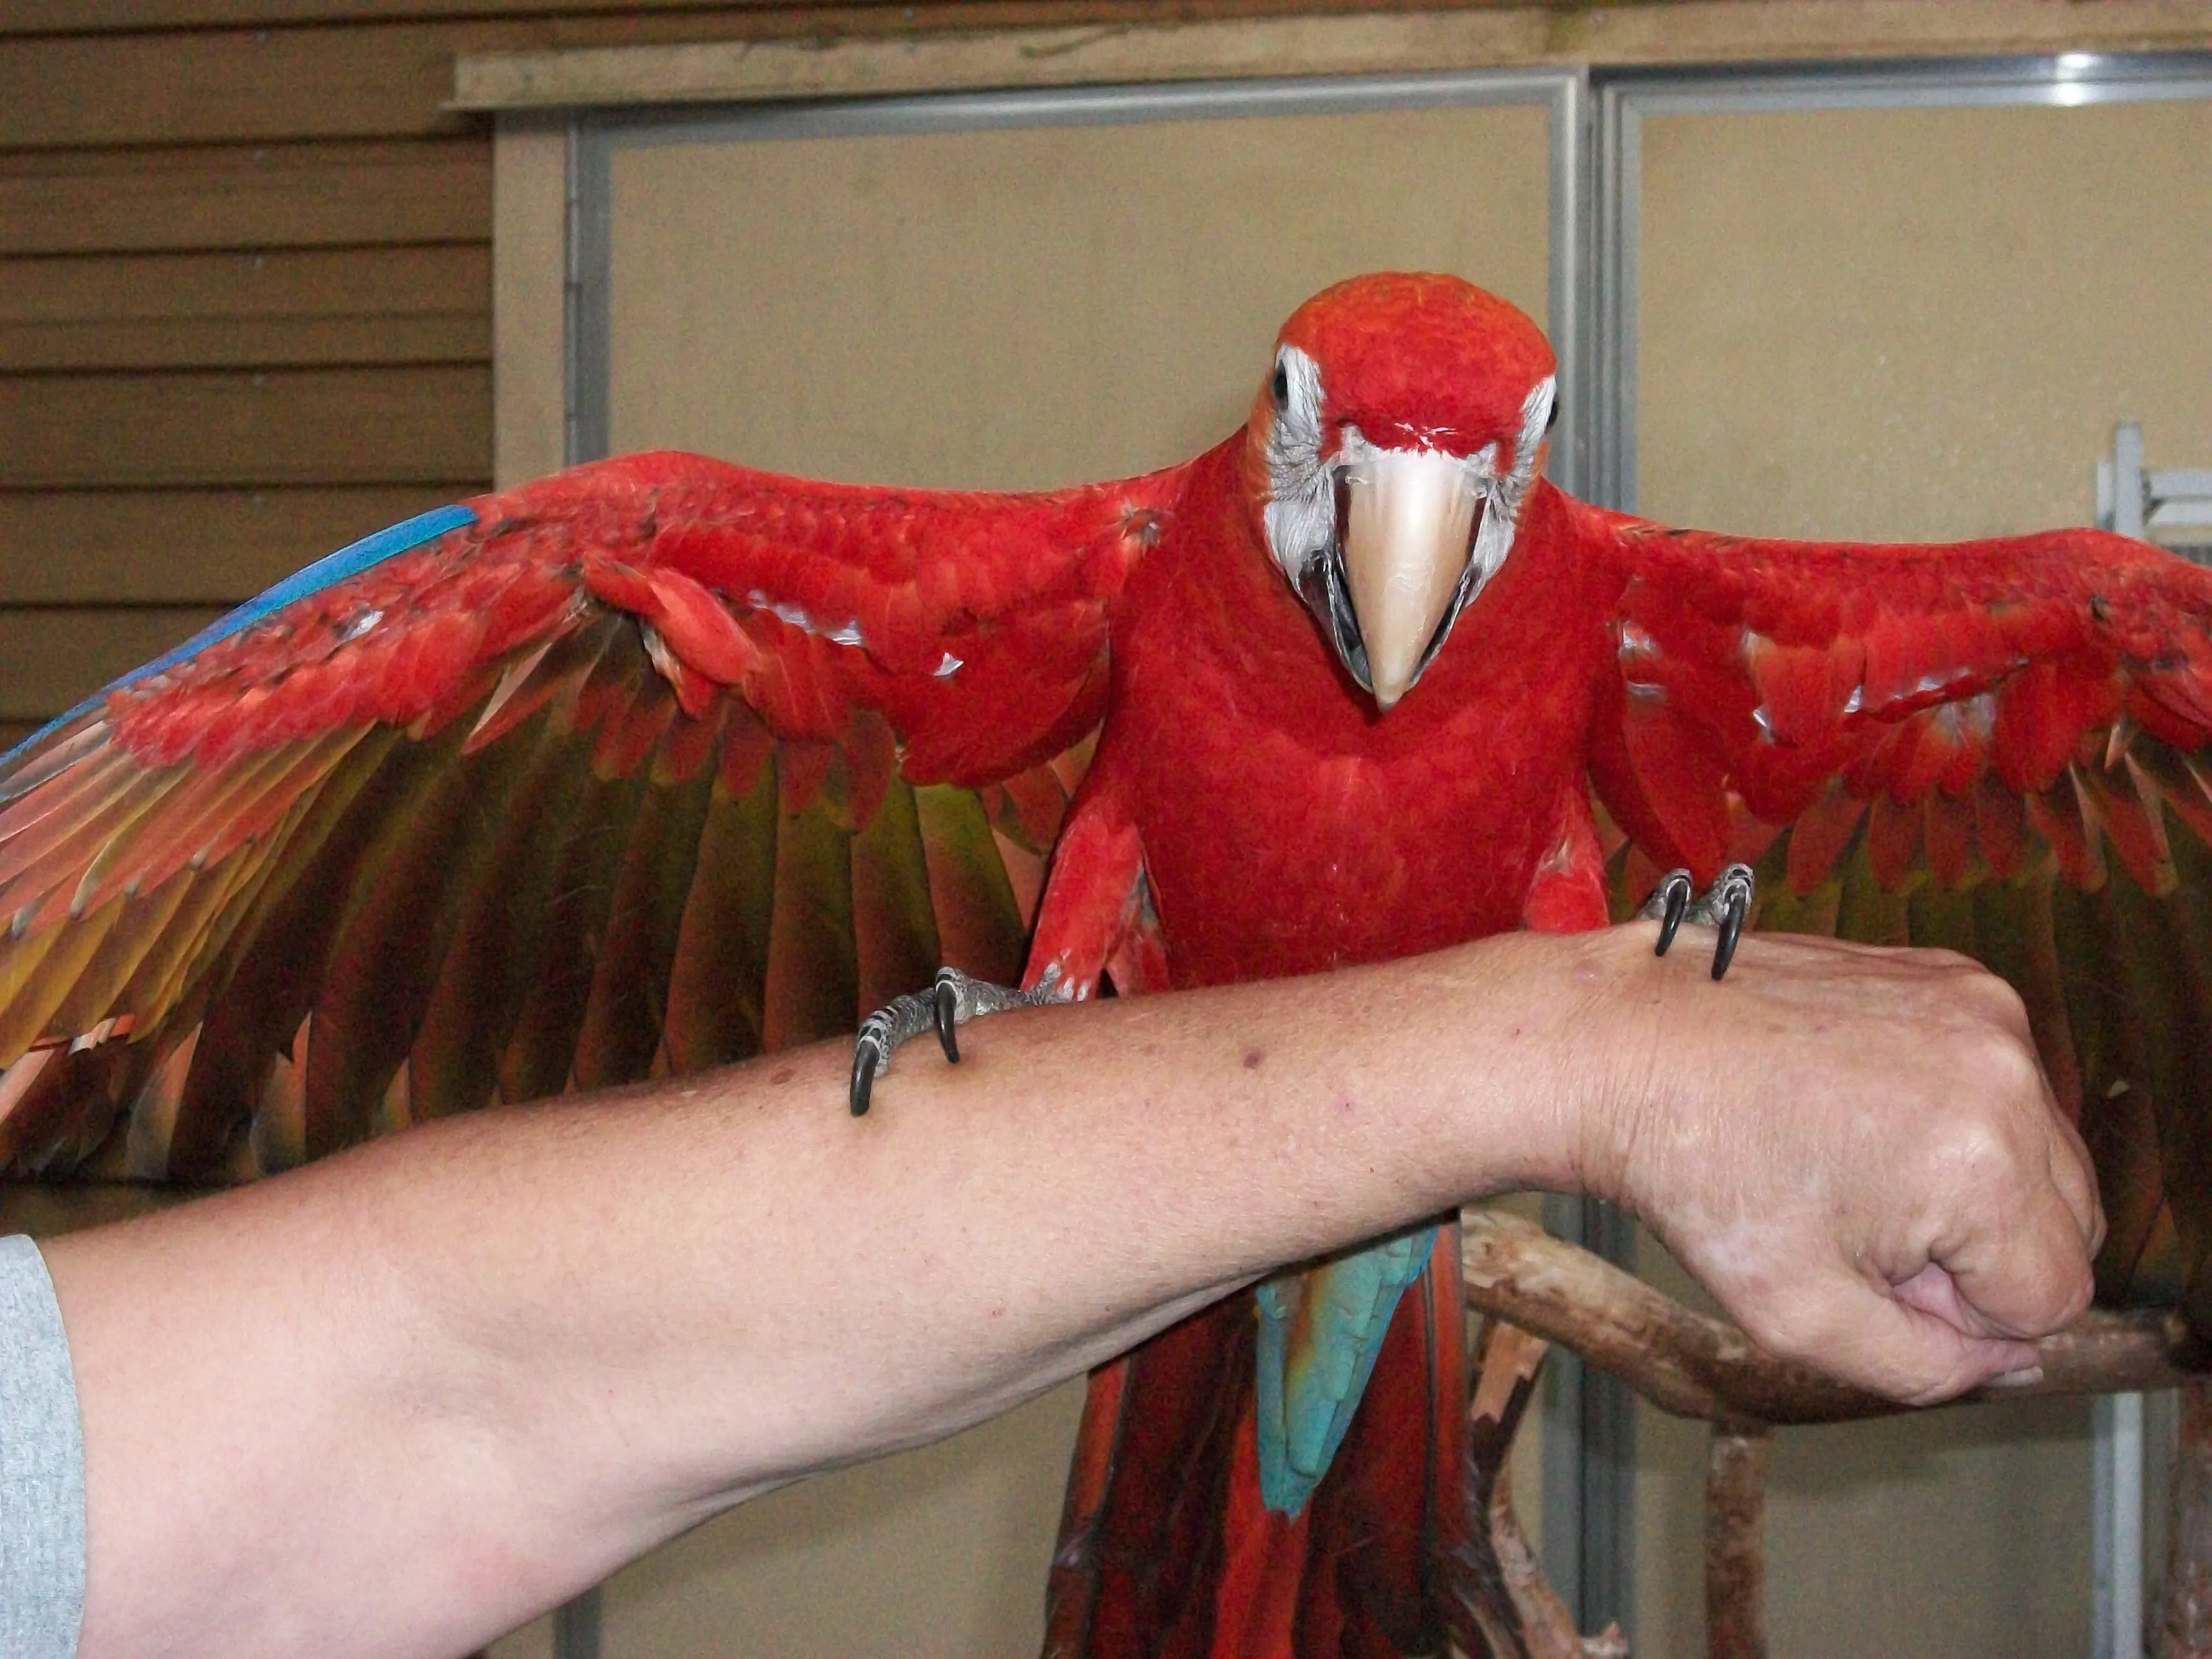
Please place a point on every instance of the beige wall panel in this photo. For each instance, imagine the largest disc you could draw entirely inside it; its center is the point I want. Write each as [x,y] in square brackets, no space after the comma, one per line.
[1919,323]
[940,1554]
[1003,310]
[1020,309]
[1910,324]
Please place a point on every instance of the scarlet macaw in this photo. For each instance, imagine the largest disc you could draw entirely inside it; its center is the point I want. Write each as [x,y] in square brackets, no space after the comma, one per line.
[660,763]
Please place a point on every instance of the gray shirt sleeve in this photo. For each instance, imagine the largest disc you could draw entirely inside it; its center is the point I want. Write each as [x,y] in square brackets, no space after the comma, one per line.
[41,1466]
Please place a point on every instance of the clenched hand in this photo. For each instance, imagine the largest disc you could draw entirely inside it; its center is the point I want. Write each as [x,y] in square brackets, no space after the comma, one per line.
[1854,1149]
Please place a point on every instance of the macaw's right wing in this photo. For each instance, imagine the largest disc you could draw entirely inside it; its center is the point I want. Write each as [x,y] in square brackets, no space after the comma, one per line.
[2001,747]
[652,765]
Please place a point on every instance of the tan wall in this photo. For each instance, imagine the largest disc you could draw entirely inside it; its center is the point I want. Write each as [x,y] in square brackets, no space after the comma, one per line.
[1021,309]
[1910,325]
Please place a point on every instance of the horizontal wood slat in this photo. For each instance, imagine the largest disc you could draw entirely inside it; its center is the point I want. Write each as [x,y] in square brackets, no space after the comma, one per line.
[260,343]
[282,426]
[270,197]
[355,282]
[186,546]
[232,85]
[50,660]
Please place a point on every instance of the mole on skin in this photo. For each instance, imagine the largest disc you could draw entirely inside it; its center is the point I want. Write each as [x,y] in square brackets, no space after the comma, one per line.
[1252,1058]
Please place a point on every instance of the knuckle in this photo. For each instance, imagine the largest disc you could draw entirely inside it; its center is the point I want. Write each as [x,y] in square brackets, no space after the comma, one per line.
[2003,1062]
[2003,999]
[1975,1148]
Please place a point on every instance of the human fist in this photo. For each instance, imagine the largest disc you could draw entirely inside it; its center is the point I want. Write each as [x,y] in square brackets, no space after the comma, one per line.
[1854,1149]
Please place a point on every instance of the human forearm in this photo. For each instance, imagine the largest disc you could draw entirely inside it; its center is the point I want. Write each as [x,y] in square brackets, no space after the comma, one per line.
[548,1338]
[416,1394]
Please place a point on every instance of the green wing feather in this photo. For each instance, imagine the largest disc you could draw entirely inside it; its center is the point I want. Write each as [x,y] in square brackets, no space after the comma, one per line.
[582,862]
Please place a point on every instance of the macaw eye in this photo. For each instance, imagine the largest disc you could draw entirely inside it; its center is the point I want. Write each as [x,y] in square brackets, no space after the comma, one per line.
[1282,387]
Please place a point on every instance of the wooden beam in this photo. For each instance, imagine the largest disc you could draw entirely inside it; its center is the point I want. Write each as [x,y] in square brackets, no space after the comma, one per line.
[361,426]
[208,547]
[1681,32]
[820,19]
[272,196]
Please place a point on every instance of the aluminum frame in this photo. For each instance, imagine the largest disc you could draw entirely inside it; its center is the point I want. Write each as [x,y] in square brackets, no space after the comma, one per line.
[2063,80]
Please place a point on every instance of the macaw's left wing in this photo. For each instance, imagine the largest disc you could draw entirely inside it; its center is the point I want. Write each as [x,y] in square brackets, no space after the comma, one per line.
[1998,747]
[646,767]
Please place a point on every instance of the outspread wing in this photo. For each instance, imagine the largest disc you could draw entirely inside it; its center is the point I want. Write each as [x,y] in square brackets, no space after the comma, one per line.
[1999,747]
[648,767]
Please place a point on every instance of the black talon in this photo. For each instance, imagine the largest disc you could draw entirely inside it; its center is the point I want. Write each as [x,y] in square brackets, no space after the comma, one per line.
[864,1077]
[947,1006]
[1677,891]
[1731,930]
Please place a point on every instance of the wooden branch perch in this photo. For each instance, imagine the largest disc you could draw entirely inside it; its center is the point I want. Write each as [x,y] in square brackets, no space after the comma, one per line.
[1693,1365]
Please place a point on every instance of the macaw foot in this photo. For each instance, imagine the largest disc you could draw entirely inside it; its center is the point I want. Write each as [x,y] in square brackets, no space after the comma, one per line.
[948,1005]
[1723,905]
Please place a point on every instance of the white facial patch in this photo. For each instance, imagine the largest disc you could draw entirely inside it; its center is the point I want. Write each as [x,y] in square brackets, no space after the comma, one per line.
[1301,511]
[1509,489]
[1300,515]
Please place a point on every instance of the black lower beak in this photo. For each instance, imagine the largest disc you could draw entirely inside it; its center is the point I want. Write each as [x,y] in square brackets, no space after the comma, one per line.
[1322,587]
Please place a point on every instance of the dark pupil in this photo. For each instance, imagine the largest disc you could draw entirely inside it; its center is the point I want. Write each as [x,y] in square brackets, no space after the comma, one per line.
[1282,386]
[1552,419]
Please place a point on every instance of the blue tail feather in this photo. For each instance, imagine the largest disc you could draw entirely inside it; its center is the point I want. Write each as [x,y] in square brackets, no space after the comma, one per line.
[1303,1412]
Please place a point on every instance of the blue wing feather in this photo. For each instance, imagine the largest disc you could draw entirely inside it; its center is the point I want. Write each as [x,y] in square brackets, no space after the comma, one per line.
[349,560]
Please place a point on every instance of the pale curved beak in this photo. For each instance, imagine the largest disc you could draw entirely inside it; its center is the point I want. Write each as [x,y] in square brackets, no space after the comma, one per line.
[1408,527]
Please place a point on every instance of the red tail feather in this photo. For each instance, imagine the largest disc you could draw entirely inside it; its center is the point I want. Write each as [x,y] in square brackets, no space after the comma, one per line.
[1166,1552]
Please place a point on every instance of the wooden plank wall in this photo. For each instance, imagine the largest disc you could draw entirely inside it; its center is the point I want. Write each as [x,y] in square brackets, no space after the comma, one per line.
[246,288]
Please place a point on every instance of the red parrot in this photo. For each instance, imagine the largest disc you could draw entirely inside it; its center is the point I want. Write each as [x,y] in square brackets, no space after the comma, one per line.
[659,763]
